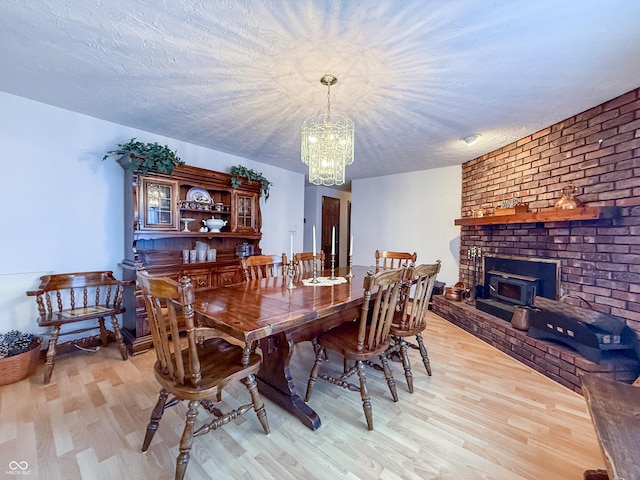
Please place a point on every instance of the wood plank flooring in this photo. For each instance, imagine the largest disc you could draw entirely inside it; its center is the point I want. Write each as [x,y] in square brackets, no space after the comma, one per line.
[482,415]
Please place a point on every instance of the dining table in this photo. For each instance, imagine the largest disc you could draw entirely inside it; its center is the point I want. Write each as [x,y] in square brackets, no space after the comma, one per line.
[277,313]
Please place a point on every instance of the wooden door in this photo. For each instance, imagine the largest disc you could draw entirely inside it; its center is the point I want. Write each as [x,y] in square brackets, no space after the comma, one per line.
[330,219]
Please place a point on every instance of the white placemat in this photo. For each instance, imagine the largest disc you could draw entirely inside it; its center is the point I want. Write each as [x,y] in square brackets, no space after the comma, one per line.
[323,281]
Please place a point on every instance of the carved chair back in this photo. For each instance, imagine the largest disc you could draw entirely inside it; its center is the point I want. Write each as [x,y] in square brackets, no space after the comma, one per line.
[377,315]
[416,294]
[263,266]
[167,300]
[304,263]
[386,260]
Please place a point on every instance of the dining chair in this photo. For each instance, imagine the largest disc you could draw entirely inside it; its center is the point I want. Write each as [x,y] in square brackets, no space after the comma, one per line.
[304,262]
[386,260]
[363,339]
[195,370]
[410,320]
[263,266]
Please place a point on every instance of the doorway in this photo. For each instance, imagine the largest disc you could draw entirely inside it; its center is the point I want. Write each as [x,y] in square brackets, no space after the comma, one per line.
[330,219]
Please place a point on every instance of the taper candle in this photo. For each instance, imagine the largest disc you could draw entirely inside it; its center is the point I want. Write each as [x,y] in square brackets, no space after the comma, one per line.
[351,246]
[333,240]
[314,240]
[291,247]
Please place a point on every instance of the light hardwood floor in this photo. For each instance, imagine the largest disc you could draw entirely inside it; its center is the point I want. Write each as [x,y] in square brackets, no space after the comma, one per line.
[482,415]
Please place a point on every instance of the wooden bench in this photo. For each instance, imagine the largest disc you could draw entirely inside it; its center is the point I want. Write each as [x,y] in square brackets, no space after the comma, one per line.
[76,297]
[615,410]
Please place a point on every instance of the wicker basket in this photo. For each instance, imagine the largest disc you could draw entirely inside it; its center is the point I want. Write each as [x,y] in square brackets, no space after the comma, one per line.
[16,368]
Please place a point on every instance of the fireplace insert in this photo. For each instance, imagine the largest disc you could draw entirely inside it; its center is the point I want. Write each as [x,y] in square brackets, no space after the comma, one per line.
[511,288]
[516,281]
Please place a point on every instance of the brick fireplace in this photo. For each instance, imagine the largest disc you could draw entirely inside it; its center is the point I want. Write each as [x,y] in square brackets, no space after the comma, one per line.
[597,151]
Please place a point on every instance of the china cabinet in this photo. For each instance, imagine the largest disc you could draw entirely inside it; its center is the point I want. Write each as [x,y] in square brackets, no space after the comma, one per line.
[166,215]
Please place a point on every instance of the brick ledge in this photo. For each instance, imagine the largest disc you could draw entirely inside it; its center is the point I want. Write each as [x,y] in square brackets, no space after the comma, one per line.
[554,360]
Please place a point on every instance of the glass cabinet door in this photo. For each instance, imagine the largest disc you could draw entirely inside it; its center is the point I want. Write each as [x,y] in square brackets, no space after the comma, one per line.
[245,217]
[158,204]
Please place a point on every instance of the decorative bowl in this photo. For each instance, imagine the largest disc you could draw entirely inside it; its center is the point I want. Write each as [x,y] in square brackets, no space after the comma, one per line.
[215,224]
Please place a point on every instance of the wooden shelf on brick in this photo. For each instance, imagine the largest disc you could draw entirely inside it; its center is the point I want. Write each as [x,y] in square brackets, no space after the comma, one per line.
[547,215]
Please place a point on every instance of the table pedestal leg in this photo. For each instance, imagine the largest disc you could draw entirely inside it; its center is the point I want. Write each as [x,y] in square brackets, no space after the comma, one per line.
[276,383]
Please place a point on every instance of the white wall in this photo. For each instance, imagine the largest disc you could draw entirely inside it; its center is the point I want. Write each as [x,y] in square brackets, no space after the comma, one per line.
[411,212]
[62,206]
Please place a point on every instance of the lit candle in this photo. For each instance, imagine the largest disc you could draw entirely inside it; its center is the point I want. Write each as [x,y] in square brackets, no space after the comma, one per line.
[333,240]
[351,247]
[314,240]
[291,247]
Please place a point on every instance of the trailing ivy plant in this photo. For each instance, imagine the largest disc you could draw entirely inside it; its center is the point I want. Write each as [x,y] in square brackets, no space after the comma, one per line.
[239,172]
[143,157]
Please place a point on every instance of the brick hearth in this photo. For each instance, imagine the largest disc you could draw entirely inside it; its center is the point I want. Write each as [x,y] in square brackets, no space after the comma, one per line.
[556,361]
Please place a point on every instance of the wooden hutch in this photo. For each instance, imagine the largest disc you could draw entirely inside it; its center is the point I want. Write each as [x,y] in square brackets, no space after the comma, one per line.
[155,235]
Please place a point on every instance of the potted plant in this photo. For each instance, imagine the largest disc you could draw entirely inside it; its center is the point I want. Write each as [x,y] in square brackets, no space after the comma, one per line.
[239,172]
[19,356]
[143,157]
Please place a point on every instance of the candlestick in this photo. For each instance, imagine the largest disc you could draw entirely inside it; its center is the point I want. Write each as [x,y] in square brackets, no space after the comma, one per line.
[315,270]
[333,240]
[314,241]
[333,267]
[291,268]
[350,274]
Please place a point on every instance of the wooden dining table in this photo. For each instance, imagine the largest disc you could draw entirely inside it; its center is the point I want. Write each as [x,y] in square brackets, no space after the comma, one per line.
[269,312]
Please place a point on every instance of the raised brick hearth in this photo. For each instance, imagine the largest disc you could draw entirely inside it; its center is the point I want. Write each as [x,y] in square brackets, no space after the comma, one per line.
[560,363]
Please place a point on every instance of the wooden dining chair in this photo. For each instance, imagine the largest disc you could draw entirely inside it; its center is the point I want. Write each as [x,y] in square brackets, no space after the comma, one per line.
[410,320]
[386,260]
[67,298]
[263,266]
[304,263]
[364,339]
[195,370]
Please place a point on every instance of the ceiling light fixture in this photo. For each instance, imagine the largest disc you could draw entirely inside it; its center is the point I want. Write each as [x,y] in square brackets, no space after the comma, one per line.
[327,143]
[471,139]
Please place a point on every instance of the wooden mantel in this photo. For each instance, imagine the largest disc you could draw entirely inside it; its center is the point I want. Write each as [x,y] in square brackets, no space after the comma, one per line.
[547,215]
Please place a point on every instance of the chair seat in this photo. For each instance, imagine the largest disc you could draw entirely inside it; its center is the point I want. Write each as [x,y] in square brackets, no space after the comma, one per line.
[344,338]
[78,315]
[397,331]
[220,365]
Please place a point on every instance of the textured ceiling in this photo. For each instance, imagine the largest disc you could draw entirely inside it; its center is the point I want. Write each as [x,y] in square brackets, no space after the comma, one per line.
[241,76]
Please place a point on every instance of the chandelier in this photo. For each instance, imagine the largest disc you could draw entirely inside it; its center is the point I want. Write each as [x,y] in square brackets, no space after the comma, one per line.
[327,143]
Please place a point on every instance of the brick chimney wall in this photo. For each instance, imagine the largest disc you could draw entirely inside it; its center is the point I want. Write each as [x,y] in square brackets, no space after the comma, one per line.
[598,151]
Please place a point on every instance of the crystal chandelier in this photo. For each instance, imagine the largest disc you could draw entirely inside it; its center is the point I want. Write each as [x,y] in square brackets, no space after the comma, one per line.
[327,143]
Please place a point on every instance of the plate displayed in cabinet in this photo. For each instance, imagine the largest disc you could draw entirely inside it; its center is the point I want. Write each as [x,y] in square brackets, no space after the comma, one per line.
[200,195]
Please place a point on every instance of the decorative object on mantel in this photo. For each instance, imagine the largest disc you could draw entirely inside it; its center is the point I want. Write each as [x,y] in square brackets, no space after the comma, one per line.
[19,356]
[239,172]
[567,201]
[511,206]
[144,157]
[327,143]
[480,212]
